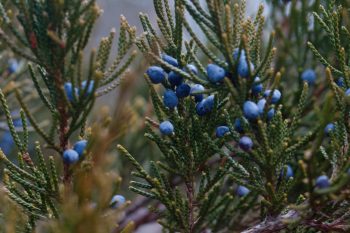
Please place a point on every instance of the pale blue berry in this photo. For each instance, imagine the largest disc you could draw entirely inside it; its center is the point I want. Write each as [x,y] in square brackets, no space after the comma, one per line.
[70,156]
[245,143]
[221,131]
[242,191]
[80,147]
[166,128]
[250,110]
[215,73]
[117,201]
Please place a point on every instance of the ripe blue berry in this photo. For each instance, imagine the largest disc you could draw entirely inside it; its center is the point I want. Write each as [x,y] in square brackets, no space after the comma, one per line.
[70,156]
[261,106]
[89,89]
[205,106]
[221,131]
[243,69]
[237,53]
[183,90]
[322,182]
[238,125]
[270,113]
[329,128]
[242,191]
[250,110]
[289,172]
[245,143]
[309,76]
[166,128]
[117,201]
[197,88]
[174,78]
[170,99]
[70,91]
[257,88]
[215,73]
[209,103]
[347,92]
[276,96]
[340,82]
[169,59]
[12,66]
[156,74]
[192,68]
[80,147]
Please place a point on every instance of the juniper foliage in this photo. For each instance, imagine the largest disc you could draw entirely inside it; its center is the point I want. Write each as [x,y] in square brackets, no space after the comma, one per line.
[211,183]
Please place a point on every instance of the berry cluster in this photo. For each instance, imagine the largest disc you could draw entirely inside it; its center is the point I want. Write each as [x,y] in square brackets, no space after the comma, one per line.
[71,156]
[72,93]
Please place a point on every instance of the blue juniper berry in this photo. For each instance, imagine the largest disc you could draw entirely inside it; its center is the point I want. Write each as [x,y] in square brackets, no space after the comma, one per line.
[215,73]
[250,110]
[276,96]
[221,131]
[322,182]
[117,201]
[197,88]
[80,146]
[70,156]
[156,74]
[309,76]
[166,128]
[183,90]
[170,99]
[246,143]
[242,191]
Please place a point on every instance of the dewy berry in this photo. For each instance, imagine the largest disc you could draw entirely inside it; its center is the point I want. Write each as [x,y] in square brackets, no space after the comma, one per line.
[245,143]
[166,128]
[221,131]
[276,96]
[170,99]
[117,201]
[250,110]
[80,147]
[215,73]
[183,90]
[170,60]
[156,74]
[309,76]
[195,88]
[322,182]
[242,191]
[174,78]
[70,156]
